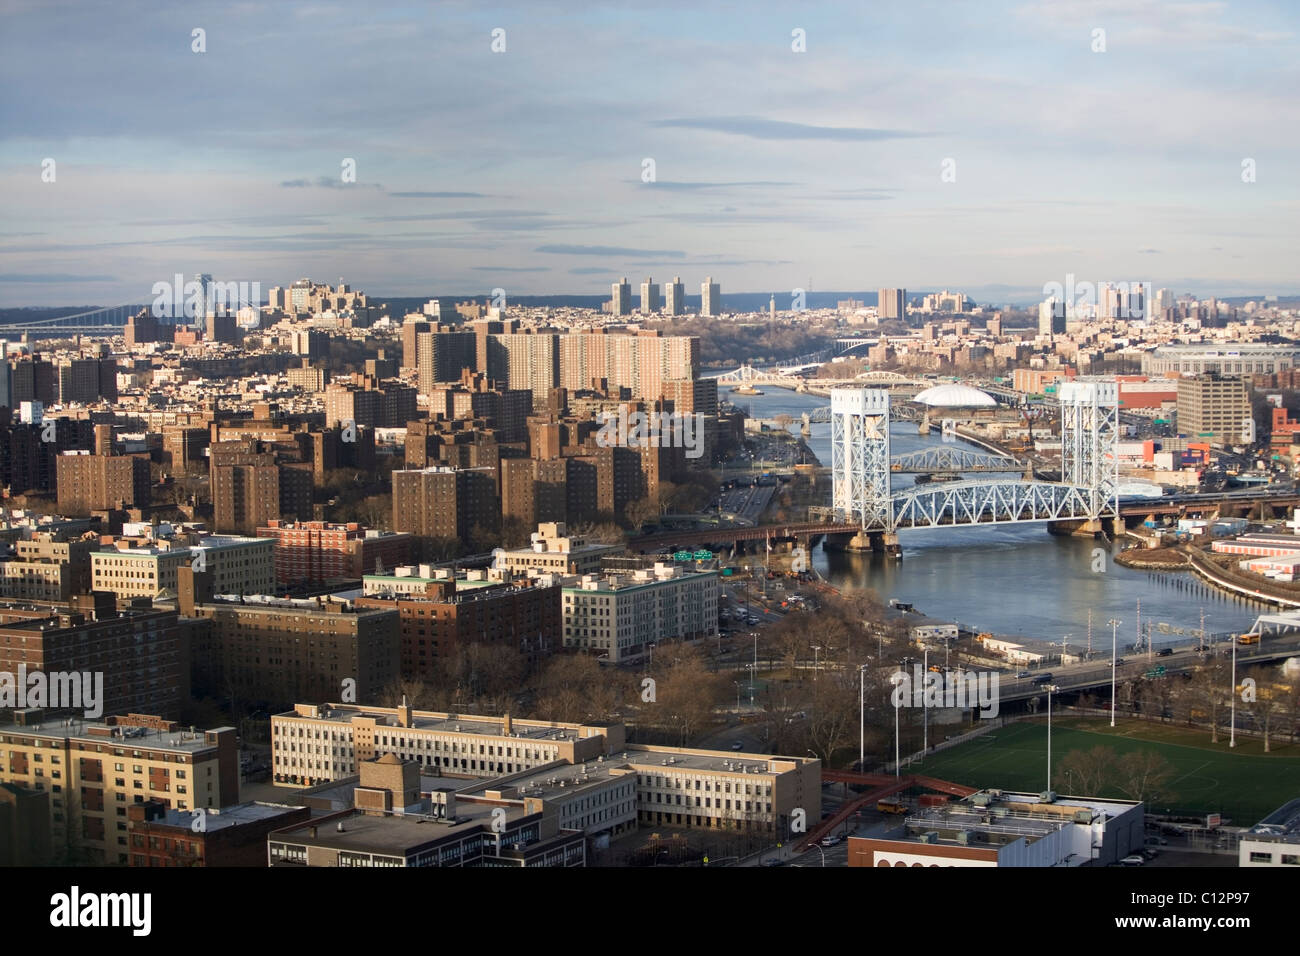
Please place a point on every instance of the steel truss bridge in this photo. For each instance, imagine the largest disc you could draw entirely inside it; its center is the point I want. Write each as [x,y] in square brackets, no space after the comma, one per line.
[951,460]
[862,467]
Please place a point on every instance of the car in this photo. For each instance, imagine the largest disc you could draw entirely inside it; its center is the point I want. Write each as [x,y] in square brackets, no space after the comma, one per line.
[774,863]
[1150,853]
[1020,674]
[1119,660]
[1132,860]
[737,746]
[1042,679]
[1165,652]
[830,840]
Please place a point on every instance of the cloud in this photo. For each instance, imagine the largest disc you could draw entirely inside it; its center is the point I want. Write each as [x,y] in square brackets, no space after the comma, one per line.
[589,271]
[43,277]
[437,195]
[670,185]
[612,251]
[326,182]
[755,127]
[512,269]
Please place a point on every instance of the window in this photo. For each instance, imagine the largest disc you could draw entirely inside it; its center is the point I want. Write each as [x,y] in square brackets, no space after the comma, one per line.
[1261,857]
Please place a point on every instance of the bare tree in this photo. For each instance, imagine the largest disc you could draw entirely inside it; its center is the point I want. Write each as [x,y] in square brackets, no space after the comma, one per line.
[1143,775]
[1087,772]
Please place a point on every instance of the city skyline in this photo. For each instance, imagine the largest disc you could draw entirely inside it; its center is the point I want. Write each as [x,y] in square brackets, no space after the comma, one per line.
[772,168]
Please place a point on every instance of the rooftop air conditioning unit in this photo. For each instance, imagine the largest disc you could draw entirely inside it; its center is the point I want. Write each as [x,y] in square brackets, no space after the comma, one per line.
[1047,796]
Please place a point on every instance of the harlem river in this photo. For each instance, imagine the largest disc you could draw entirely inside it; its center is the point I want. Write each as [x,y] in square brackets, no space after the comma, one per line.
[1013,579]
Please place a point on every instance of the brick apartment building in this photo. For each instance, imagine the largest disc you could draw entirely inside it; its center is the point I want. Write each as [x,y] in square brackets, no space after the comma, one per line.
[89,482]
[160,836]
[311,552]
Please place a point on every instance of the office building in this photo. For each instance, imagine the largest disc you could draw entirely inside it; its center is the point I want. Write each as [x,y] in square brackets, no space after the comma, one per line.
[96,771]
[1215,408]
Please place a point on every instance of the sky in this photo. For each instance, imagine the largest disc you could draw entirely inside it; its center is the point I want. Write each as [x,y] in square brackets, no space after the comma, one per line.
[983,147]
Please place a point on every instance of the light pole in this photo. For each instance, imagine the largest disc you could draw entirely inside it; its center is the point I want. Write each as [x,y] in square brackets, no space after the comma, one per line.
[1050,689]
[651,666]
[816,649]
[1114,630]
[925,703]
[1232,733]
[898,677]
[737,683]
[862,717]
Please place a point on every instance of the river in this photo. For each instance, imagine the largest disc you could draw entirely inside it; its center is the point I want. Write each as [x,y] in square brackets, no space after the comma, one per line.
[1012,579]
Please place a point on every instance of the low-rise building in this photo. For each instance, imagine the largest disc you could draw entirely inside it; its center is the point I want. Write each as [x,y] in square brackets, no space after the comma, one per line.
[209,836]
[1274,841]
[993,828]
[237,565]
[618,616]
[553,550]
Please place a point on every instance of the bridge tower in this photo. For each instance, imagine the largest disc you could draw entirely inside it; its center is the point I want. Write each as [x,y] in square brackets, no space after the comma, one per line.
[1089,430]
[860,456]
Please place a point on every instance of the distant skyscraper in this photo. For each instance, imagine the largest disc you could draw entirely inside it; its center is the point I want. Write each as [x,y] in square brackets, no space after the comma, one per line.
[891,304]
[650,303]
[771,307]
[675,304]
[1051,317]
[622,297]
[1164,300]
[710,297]
[204,280]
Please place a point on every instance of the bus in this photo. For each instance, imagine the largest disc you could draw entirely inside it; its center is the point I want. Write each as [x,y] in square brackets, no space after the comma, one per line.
[1248,639]
[891,805]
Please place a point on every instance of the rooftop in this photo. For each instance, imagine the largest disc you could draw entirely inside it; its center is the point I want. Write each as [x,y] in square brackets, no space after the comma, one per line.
[226,817]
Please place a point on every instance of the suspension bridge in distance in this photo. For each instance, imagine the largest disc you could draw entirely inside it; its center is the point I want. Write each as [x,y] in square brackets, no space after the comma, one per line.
[106,321]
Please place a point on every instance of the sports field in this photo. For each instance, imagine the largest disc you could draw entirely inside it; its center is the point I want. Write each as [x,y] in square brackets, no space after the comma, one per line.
[1244,784]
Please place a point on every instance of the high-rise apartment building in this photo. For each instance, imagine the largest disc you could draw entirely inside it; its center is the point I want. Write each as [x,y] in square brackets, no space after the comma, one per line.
[650,303]
[312,552]
[891,304]
[621,297]
[441,502]
[443,355]
[710,297]
[101,482]
[675,300]
[1051,317]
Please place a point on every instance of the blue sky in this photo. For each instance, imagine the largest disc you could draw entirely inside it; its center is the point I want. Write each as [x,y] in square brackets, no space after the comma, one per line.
[773,169]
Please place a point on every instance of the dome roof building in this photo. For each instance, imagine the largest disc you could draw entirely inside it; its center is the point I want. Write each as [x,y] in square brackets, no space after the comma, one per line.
[955,396]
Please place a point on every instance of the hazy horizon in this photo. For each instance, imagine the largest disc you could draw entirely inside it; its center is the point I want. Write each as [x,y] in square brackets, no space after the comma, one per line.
[988,146]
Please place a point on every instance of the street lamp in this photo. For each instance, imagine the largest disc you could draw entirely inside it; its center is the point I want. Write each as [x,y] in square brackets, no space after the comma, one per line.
[925,704]
[1114,630]
[737,683]
[862,717]
[1232,734]
[897,677]
[816,648]
[652,658]
[1050,689]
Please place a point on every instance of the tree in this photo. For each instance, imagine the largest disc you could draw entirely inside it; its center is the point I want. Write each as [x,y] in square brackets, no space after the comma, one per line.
[1209,690]
[834,714]
[1086,772]
[1143,775]
[639,512]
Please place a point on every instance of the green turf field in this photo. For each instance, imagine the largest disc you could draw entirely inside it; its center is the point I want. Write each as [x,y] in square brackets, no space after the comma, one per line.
[1244,784]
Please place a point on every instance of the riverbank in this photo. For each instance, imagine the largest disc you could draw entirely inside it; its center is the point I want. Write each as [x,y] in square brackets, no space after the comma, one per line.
[1153,559]
[1241,584]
